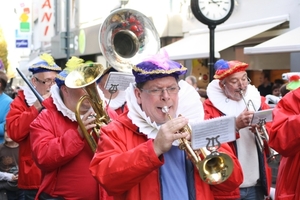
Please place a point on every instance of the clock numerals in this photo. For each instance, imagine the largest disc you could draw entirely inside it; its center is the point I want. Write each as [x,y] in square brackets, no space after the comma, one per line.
[212,11]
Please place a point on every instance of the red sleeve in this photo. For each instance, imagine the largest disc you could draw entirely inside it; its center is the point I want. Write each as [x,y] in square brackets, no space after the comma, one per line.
[113,159]
[19,118]
[54,140]
[284,134]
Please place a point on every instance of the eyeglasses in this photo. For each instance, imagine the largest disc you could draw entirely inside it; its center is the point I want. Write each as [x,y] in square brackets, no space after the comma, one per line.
[156,92]
[237,82]
[46,82]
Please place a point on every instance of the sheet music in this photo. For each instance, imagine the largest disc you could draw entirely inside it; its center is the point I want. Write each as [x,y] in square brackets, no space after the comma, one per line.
[118,81]
[262,115]
[222,128]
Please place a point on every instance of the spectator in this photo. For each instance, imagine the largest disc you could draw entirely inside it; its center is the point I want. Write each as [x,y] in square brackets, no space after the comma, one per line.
[265,87]
[192,80]
[5,102]
[9,157]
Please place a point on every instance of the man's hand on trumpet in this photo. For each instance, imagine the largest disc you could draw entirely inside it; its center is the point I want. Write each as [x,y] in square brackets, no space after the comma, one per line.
[168,133]
[244,119]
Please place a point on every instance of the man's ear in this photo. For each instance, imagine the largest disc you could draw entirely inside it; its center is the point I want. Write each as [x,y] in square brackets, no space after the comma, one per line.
[137,93]
[222,85]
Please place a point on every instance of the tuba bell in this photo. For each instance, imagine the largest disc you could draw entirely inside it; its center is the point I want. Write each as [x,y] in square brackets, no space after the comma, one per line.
[126,37]
[85,77]
[213,168]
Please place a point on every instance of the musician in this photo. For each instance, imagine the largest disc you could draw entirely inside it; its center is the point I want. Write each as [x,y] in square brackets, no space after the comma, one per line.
[138,155]
[115,99]
[284,138]
[23,110]
[58,145]
[225,98]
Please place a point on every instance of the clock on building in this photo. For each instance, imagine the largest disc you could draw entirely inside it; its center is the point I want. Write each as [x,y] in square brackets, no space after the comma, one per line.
[212,12]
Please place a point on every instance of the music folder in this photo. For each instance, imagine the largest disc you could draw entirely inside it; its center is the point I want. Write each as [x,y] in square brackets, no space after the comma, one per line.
[118,80]
[265,115]
[212,131]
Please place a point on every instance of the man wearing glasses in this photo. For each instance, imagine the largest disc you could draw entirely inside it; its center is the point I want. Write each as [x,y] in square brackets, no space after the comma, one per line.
[23,110]
[138,157]
[229,94]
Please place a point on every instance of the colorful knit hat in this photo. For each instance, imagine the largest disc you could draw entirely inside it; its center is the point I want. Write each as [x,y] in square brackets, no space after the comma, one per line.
[157,66]
[226,68]
[46,63]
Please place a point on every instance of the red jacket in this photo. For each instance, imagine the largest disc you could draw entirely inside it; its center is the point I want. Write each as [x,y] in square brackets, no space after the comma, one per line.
[18,121]
[62,155]
[285,139]
[212,112]
[127,167]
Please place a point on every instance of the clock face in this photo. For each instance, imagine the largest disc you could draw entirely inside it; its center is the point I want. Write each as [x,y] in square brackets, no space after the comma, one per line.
[215,9]
[212,12]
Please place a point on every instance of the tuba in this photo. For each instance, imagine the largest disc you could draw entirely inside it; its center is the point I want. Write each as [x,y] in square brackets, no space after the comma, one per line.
[126,37]
[214,168]
[85,77]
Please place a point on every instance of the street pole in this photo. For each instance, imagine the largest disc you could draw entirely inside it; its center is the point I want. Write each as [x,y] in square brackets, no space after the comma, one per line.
[67,36]
[211,60]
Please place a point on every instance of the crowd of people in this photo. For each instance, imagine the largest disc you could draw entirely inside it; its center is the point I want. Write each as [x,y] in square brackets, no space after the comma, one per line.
[144,152]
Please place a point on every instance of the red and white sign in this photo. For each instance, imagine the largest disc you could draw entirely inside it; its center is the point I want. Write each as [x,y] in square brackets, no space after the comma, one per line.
[46,20]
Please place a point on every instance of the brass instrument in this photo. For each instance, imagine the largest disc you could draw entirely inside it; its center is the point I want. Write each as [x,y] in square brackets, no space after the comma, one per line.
[126,37]
[261,134]
[85,77]
[214,168]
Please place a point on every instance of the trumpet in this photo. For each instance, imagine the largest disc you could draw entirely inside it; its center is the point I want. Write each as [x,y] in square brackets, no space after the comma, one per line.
[214,168]
[261,134]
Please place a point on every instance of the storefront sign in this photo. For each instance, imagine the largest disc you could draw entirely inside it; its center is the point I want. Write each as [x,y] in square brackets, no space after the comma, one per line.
[46,18]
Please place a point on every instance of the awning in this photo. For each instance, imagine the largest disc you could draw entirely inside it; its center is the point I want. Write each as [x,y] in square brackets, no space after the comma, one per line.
[287,42]
[197,45]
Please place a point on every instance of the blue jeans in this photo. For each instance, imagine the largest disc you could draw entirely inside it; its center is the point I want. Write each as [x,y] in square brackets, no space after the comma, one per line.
[252,193]
[29,194]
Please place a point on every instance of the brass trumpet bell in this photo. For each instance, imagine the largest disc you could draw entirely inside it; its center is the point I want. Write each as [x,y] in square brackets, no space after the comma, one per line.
[216,168]
[126,37]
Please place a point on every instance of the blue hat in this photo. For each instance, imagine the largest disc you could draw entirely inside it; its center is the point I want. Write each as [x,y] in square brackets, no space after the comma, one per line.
[157,66]
[60,78]
[46,63]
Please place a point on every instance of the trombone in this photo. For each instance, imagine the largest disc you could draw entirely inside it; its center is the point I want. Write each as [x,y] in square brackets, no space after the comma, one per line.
[214,168]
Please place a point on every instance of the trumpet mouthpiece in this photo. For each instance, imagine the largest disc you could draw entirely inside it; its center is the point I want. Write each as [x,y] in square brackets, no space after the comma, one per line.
[165,109]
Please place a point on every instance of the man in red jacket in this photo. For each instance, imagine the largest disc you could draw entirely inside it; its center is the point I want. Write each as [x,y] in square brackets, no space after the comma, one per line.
[58,144]
[138,157]
[23,110]
[284,138]
[228,95]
